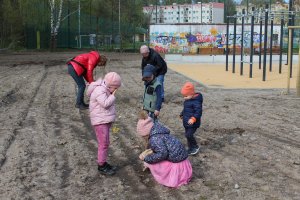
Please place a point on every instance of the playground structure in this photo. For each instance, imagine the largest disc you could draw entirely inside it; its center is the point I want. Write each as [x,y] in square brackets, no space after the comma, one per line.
[290,62]
[265,16]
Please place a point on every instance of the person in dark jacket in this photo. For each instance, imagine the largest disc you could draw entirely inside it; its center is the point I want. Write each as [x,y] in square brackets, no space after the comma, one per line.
[152,94]
[191,115]
[150,56]
[81,68]
[168,159]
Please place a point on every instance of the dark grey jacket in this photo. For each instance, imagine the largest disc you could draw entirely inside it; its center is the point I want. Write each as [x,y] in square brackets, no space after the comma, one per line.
[157,61]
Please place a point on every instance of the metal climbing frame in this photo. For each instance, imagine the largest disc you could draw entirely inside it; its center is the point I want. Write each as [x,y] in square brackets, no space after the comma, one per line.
[263,15]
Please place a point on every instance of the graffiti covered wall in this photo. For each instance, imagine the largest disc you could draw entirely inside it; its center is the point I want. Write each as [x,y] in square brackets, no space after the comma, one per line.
[189,38]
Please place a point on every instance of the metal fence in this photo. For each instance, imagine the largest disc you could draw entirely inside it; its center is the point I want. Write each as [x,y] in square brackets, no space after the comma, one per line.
[86,31]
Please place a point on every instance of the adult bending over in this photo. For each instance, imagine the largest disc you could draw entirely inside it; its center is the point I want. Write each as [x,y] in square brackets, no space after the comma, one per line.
[150,56]
[81,69]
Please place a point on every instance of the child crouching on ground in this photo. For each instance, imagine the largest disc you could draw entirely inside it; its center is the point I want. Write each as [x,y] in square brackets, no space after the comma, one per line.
[191,115]
[167,159]
[102,114]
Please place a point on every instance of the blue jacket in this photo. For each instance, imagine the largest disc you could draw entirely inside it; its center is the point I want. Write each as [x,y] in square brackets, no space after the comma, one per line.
[164,146]
[192,108]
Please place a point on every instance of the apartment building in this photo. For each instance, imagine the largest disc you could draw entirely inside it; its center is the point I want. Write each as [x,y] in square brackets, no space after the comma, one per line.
[259,11]
[206,13]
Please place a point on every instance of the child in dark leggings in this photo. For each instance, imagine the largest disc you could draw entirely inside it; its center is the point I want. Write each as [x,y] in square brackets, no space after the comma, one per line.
[191,115]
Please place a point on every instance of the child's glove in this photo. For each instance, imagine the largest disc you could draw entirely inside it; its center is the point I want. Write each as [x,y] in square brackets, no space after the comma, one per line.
[145,153]
[192,120]
[141,157]
[114,92]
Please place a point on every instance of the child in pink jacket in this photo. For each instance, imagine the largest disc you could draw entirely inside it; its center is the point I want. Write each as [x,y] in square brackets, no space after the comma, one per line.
[102,114]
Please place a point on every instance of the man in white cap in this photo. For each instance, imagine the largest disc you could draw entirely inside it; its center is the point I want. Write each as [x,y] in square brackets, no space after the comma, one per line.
[150,56]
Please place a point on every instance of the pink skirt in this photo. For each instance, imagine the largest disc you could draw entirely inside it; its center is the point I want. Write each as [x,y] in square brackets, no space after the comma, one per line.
[171,174]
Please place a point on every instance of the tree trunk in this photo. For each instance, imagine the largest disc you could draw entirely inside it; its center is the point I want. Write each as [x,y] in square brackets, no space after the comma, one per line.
[55,19]
[53,43]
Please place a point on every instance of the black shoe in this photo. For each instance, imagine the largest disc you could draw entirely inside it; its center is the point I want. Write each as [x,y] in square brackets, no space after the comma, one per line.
[162,99]
[107,169]
[82,106]
[86,104]
[193,151]
[112,167]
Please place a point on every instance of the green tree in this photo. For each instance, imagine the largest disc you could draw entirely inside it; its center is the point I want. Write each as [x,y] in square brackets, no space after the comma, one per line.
[39,18]
[229,8]
[12,24]
[56,7]
[18,15]
[259,3]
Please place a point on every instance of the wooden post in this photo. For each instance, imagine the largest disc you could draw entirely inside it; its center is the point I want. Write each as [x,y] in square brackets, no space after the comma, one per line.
[38,40]
[298,76]
[289,61]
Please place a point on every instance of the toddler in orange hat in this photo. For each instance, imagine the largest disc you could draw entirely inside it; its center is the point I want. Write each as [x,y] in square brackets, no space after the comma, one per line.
[191,115]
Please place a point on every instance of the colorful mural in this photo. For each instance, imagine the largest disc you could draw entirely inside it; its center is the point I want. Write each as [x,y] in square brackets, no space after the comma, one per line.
[191,38]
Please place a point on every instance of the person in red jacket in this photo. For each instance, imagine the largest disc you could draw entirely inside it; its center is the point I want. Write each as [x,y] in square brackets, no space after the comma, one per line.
[81,68]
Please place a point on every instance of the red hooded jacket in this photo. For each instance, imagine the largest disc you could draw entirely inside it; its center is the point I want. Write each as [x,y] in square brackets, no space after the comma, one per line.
[88,62]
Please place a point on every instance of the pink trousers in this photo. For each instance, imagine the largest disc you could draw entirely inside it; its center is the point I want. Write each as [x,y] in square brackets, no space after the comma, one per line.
[102,133]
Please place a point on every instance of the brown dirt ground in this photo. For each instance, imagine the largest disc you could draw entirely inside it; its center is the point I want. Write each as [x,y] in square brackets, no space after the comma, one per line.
[250,137]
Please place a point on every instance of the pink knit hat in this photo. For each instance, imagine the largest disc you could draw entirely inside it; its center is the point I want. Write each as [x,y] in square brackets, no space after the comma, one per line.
[144,126]
[112,79]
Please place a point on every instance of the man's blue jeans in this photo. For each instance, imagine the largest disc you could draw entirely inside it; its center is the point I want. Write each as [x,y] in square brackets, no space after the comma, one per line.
[161,79]
[80,83]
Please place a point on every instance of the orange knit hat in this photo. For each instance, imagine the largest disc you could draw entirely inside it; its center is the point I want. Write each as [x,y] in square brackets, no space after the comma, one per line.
[188,89]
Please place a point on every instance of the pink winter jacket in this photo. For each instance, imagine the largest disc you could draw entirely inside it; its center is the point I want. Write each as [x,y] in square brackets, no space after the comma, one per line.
[102,103]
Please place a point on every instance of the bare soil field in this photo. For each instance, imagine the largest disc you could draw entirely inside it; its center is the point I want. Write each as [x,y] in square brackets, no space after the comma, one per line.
[250,137]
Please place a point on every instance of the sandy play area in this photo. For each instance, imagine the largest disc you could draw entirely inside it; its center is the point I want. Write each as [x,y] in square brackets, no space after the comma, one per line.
[215,75]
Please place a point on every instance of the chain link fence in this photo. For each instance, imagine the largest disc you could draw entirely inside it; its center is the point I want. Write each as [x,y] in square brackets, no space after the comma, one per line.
[87,31]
